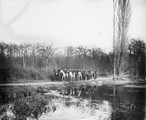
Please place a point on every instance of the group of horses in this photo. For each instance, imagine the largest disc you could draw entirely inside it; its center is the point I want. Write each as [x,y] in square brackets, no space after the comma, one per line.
[74,74]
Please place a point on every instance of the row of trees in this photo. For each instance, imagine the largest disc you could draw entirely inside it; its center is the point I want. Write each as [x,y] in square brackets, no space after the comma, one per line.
[34,55]
[46,56]
[86,58]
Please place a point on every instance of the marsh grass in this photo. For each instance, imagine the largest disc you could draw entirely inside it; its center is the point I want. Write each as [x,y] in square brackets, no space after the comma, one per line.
[23,102]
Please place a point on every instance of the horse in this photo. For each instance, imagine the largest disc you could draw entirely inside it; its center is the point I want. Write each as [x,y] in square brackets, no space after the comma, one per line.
[89,75]
[70,76]
[61,75]
[75,74]
[66,76]
[95,75]
[83,74]
[79,75]
[56,74]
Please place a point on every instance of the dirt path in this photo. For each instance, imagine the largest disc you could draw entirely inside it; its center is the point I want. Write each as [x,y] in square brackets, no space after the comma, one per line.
[99,81]
[42,83]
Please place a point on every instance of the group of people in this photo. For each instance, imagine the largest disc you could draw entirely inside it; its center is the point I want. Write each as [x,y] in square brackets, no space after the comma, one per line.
[74,74]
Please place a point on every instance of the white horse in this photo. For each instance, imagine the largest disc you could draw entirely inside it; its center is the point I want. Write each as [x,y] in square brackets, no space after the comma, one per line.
[62,75]
[74,76]
[71,76]
[66,76]
[79,76]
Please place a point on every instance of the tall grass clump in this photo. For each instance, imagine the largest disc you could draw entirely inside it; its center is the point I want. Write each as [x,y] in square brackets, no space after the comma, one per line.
[18,73]
[23,102]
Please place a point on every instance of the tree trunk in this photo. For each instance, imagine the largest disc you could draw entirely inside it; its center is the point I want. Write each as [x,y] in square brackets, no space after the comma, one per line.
[24,65]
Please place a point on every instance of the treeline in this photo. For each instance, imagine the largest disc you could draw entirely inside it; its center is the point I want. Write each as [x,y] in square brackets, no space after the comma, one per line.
[85,58]
[37,61]
[33,55]
[25,61]
[137,59]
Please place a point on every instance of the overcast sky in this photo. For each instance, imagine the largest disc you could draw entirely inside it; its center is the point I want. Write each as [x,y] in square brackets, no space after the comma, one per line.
[66,22]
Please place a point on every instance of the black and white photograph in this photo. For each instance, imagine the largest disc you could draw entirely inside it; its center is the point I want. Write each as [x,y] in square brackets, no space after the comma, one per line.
[72,60]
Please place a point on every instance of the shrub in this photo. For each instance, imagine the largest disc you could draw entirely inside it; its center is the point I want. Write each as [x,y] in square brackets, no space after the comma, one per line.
[46,73]
[32,107]
[102,74]
[9,94]
[26,102]
[18,72]
[33,73]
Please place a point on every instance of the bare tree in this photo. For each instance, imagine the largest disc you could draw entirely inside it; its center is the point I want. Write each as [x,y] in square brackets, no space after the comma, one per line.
[45,51]
[81,54]
[95,54]
[122,14]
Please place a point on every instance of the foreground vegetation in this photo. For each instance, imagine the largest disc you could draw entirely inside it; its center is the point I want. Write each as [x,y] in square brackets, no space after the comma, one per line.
[23,102]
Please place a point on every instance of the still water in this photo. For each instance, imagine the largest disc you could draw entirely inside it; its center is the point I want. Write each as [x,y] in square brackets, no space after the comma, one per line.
[126,102]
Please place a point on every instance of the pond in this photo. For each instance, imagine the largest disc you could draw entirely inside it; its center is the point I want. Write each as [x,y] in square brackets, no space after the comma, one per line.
[128,102]
[108,102]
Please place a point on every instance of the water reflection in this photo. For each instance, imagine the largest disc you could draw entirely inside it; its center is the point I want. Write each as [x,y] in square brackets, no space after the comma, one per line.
[110,102]
[80,110]
[127,102]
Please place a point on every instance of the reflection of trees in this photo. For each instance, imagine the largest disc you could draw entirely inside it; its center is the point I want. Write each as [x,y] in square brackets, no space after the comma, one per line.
[127,103]
[130,104]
